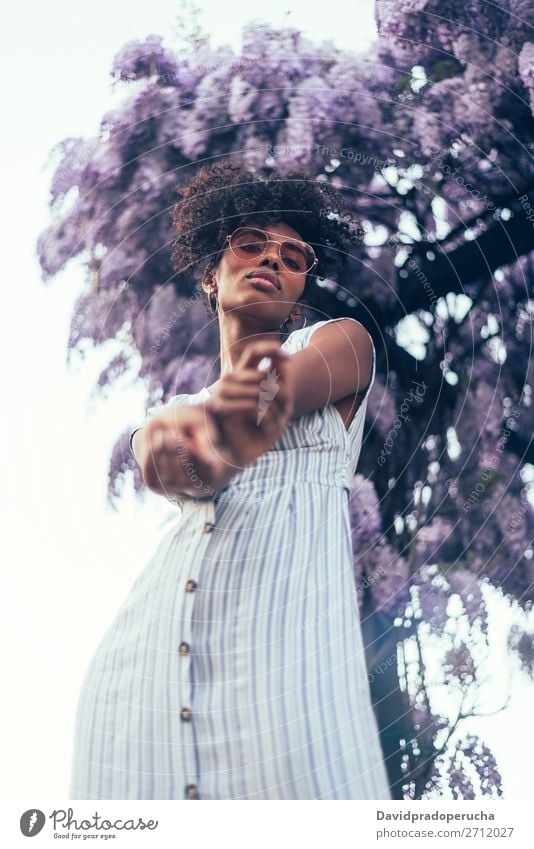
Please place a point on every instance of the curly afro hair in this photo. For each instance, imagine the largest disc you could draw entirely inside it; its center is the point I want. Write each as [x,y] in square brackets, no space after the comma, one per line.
[221,198]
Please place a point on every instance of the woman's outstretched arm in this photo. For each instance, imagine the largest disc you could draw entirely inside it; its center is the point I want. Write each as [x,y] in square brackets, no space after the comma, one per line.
[195,450]
[180,453]
[250,410]
[254,406]
[336,365]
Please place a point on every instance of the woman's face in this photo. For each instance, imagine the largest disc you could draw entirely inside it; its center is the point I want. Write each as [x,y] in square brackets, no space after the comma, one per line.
[238,288]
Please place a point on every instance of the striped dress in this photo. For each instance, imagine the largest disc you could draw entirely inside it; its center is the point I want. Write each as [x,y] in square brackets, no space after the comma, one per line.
[234,668]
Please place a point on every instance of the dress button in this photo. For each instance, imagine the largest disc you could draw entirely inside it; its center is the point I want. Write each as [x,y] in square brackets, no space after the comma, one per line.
[190,585]
[208,527]
[186,714]
[183,648]
[191,791]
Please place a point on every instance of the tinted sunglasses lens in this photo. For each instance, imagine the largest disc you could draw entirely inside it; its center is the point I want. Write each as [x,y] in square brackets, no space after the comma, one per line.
[248,243]
[295,257]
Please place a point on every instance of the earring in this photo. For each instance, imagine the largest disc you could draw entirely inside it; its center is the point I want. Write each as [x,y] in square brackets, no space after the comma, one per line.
[212,290]
[287,320]
[213,293]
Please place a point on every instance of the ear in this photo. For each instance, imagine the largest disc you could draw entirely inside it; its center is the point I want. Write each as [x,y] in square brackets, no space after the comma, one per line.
[207,281]
[297,310]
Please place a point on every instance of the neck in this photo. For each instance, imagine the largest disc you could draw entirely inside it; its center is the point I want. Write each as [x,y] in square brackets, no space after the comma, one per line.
[236,337]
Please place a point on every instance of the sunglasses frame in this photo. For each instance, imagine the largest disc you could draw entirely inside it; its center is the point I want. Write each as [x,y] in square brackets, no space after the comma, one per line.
[279,243]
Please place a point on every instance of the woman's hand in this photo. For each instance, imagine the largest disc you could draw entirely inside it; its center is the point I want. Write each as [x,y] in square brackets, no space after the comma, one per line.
[252,406]
[183,454]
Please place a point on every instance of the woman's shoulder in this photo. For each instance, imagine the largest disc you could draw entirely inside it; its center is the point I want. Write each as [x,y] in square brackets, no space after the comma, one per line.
[300,338]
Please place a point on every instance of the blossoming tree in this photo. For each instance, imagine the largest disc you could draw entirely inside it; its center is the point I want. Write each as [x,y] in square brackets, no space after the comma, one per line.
[429,138]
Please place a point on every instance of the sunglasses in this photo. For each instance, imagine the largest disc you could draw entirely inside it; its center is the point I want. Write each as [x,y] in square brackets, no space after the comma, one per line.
[251,243]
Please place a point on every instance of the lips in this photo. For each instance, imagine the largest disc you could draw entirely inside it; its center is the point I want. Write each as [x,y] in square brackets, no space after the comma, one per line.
[269,276]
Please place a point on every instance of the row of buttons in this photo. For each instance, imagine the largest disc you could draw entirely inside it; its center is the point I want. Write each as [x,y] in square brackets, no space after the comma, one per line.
[191,790]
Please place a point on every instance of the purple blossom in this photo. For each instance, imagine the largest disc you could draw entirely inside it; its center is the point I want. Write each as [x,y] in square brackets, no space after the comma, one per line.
[385,575]
[75,154]
[526,68]
[459,663]
[521,643]
[459,782]
[433,601]
[437,540]
[143,58]
[382,407]
[481,758]
[467,586]
[366,521]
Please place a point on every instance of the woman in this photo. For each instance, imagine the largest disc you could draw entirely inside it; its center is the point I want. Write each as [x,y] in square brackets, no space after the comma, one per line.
[235,667]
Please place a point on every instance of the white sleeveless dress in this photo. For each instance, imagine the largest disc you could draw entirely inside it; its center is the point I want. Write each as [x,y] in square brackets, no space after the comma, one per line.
[234,668]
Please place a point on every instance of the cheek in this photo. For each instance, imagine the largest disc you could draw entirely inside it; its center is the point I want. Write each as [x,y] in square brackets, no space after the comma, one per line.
[296,286]
[230,268]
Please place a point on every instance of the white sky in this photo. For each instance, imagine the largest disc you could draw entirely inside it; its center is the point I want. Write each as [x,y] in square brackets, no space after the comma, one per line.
[69,560]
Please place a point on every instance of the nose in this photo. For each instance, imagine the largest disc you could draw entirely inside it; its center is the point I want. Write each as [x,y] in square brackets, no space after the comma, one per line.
[271,256]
